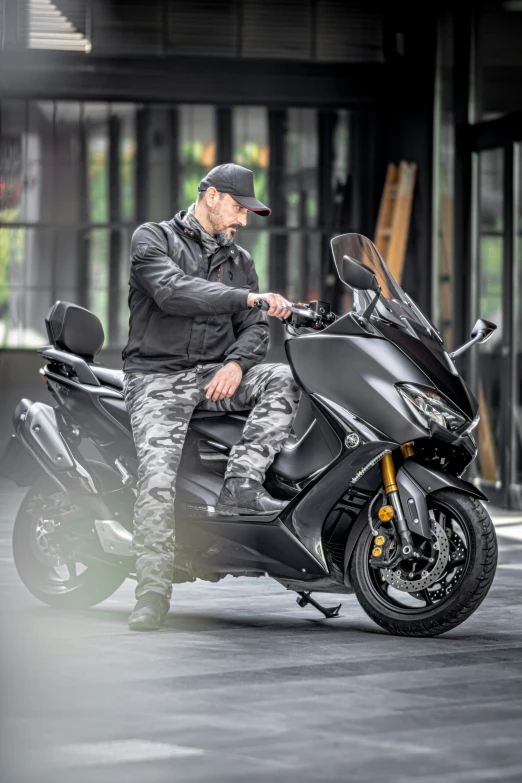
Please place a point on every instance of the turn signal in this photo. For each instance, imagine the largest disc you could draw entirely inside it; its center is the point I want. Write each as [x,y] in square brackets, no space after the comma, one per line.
[385,513]
[377,551]
[380,540]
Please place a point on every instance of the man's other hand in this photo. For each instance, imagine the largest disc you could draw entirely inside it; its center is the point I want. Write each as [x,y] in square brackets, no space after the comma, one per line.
[225,382]
[277,304]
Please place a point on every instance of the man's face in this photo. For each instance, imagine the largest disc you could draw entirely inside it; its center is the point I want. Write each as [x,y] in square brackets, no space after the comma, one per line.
[225,216]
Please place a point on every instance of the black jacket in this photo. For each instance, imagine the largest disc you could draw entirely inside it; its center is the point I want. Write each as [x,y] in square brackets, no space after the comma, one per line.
[180,315]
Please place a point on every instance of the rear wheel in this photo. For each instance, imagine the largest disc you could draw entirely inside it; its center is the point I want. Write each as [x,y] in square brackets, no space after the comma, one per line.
[49,556]
[453,579]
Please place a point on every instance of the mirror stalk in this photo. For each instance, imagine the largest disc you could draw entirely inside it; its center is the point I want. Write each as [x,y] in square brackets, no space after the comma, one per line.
[371,307]
[477,339]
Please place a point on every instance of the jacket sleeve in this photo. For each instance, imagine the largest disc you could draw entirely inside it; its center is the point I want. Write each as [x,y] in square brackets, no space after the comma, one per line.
[156,274]
[250,328]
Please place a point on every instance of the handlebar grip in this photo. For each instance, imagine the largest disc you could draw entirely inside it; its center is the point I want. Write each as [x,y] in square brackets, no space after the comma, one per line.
[261,304]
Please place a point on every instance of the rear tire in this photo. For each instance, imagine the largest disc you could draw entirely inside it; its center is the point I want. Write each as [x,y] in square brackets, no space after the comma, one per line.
[474,580]
[36,570]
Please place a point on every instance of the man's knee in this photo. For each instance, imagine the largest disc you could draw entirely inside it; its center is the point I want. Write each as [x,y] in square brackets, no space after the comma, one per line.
[283,379]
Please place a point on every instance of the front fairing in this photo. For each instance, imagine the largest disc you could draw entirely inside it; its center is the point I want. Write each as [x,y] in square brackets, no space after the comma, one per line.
[397,318]
[430,357]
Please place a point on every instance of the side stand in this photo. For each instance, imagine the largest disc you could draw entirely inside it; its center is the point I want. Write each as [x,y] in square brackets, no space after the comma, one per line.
[306,598]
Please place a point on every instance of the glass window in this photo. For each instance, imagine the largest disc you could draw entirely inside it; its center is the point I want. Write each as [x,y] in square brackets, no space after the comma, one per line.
[341,146]
[59,238]
[443,186]
[499,58]
[158,155]
[304,266]
[257,244]
[517,349]
[98,282]
[12,142]
[67,173]
[25,285]
[127,159]
[97,132]
[40,178]
[197,154]
[489,306]
[301,167]
[250,149]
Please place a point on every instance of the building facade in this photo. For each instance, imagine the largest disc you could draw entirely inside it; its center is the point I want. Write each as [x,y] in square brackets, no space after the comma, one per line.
[110,113]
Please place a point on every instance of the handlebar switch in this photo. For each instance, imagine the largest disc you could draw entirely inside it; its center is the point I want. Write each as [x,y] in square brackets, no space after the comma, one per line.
[321,308]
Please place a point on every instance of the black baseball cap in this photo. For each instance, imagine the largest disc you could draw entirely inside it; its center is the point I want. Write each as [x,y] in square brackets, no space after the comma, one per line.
[239,182]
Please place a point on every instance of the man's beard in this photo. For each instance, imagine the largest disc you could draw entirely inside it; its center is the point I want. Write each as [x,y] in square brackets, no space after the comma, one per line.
[221,236]
[223,239]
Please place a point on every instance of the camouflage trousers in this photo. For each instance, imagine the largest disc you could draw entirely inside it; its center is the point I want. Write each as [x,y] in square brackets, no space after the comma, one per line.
[160,407]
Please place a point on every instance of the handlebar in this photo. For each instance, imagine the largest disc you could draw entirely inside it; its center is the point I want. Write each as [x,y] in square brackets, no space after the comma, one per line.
[315,315]
[302,311]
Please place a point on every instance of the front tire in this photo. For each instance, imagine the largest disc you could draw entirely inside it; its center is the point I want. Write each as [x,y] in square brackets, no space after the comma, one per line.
[456,595]
[64,583]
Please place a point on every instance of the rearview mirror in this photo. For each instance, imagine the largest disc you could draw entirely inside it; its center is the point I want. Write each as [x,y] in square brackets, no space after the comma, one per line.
[485,327]
[482,331]
[356,275]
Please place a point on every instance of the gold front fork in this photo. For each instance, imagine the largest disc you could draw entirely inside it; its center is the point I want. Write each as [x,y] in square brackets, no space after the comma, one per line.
[389,481]
[388,474]
[407,450]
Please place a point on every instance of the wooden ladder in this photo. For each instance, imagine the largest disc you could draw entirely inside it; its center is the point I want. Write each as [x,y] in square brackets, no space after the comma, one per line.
[393,223]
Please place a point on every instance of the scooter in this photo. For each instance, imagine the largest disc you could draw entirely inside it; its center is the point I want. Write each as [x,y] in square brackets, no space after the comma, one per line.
[377,505]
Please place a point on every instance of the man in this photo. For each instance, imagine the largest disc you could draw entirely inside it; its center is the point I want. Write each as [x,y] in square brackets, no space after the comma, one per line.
[196,340]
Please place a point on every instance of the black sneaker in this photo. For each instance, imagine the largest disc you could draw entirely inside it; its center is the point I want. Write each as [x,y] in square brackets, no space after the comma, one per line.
[149,613]
[247,496]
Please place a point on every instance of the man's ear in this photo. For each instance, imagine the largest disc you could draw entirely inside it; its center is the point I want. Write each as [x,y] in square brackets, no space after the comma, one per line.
[211,196]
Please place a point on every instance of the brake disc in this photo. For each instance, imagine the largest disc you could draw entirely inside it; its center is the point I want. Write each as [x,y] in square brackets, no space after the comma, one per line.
[396,577]
[43,544]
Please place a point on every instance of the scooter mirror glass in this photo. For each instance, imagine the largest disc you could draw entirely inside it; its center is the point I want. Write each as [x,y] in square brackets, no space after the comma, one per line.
[356,275]
[486,327]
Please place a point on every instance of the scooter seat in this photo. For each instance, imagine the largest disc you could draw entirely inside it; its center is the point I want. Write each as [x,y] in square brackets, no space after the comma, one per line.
[297,460]
[108,377]
[202,414]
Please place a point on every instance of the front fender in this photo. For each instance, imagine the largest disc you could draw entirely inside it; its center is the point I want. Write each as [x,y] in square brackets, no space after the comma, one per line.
[416,482]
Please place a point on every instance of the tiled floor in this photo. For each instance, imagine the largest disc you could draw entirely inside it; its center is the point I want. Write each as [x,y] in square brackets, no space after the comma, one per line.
[242,685]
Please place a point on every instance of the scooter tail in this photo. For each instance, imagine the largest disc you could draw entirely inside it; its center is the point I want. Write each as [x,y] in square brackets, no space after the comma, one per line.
[37,430]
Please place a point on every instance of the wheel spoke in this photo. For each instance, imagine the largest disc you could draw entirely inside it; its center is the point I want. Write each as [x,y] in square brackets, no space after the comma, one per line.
[71,567]
[455,563]
[427,597]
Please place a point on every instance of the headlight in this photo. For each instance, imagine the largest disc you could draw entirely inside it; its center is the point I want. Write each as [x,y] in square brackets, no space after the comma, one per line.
[428,406]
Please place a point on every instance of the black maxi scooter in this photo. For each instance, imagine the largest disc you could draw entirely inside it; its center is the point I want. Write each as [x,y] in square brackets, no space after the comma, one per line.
[376,502]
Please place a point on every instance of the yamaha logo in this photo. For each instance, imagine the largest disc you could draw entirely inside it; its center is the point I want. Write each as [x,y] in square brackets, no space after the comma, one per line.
[351,441]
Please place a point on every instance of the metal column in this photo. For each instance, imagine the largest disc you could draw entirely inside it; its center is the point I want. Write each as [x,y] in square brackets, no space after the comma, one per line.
[115,235]
[224,135]
[278,239]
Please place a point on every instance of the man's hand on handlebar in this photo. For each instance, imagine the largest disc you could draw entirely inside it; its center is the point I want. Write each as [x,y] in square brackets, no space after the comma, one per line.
[277,304]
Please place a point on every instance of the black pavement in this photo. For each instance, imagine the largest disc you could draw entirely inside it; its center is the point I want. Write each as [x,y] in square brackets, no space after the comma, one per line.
[243,685]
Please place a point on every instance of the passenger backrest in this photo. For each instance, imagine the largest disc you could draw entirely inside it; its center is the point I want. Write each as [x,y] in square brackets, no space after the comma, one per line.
[73,328]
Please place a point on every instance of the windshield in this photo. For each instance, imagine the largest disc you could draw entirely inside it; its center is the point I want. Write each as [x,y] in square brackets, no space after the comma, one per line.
[394,305]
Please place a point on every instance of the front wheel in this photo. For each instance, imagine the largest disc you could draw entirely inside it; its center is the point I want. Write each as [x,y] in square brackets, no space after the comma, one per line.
[50,562]
[435,596]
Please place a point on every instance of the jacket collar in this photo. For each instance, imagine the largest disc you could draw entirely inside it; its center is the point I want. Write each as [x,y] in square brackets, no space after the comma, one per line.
[222,255]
